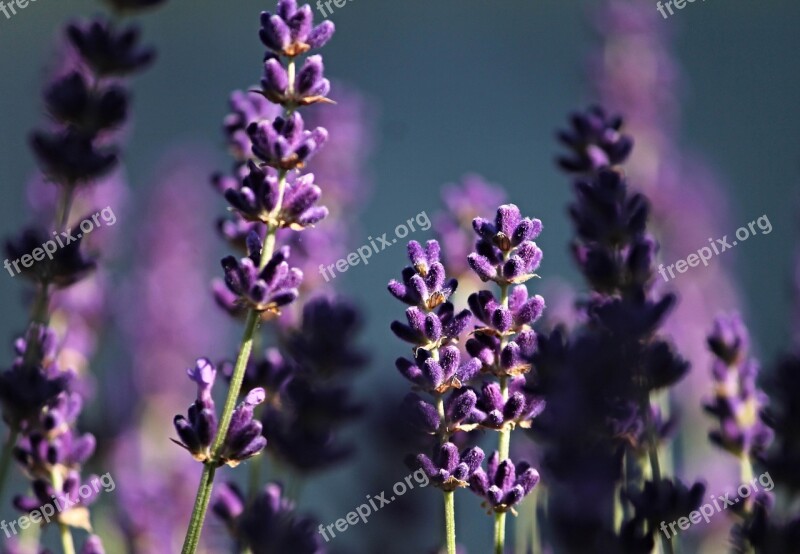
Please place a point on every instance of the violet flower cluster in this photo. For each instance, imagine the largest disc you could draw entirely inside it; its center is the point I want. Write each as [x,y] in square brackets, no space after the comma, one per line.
[501,345]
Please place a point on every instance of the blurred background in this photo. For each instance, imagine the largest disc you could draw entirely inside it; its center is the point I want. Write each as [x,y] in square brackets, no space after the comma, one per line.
[449,88]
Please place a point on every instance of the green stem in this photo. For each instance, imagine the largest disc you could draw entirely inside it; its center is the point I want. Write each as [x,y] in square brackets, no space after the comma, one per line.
[499,533]
[503,441]
[655,466]
[64,207]
[251,326]
[64,532]
[450,521]
[200,509]
[5,457]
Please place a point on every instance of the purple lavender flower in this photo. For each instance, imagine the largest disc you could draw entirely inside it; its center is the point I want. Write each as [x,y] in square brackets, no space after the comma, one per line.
[284,143]
[290,31]
[62,500]
[503,485]
[459,413]
[107,51]
[424,282]
[737,403]
[268,524]
[449,470]
[69,157]
[198,431]
[438,375]
[464,202]
[263,290]
[246,107]
[495,412]
[309,87]
[258,196]
[505,252]
[67,266]
[595,141]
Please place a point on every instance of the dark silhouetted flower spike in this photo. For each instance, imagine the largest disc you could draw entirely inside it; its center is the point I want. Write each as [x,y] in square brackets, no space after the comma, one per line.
[106,50]
[267,524]
[503,485]
[67,266]
[595,141]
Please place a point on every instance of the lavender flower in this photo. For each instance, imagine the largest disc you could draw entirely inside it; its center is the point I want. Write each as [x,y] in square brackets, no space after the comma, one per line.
[107,51]
[450,470]
[505,252]
[268,524]
[284,143]
[503,485]
[309,87]
[264,290]
[595,141]
[257,198]
[290,31]
[198,431]
[737,403]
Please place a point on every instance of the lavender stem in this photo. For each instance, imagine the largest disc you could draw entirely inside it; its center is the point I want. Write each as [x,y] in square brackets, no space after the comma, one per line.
[253,317]
[503,442]
[67,545]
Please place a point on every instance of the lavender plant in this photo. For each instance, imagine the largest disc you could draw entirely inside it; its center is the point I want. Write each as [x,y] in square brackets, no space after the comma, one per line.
[41,398]
[268,193]
[599,380]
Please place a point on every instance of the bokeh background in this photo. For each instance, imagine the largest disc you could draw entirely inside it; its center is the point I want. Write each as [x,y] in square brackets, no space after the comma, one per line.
[453,86]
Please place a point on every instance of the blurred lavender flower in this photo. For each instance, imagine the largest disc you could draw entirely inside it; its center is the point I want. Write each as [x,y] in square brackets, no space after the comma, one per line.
[267,524]
[595,141]
[737,404]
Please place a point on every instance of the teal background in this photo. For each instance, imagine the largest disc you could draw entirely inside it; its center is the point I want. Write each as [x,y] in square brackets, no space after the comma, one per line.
[461,85]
